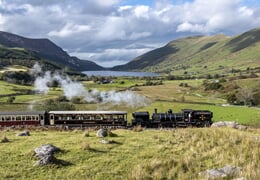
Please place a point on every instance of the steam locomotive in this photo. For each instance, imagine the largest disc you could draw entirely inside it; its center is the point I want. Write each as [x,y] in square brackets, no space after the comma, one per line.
[187,117]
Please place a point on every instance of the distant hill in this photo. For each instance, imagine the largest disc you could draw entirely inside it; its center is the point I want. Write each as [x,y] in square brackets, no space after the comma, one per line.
[201,55]
[18,47]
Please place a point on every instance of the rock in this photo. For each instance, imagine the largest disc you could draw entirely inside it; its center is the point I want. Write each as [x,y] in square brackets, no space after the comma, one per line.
[240,178]
[231,124]
[226,171]
[257,138]
[46,154]
[46,149]
[25,133]
[104,141]
[102,133]
[45,160]
[241,127]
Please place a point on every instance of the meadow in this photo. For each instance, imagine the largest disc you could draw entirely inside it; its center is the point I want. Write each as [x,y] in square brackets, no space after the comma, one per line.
[147,154]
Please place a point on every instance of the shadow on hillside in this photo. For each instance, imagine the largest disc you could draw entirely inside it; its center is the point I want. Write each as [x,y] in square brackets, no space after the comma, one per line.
[244,40]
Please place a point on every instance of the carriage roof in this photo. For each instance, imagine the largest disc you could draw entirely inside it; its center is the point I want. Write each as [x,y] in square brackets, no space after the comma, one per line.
[22,113]
[90,112]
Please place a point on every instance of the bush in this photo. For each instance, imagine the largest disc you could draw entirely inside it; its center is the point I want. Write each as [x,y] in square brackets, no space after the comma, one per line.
[86,146]
[137,128]
[212,85]
[76,100]
[10,99]
[4,139]
[86,134]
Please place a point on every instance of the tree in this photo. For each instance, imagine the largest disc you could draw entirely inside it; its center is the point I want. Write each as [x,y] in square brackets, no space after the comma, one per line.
[245,95]
[10,99]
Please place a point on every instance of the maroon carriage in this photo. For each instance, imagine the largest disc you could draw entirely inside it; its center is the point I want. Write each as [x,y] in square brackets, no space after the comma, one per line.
[23,118]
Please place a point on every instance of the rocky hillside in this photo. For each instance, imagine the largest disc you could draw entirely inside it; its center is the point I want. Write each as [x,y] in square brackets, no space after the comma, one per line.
[197,55]
[45,49]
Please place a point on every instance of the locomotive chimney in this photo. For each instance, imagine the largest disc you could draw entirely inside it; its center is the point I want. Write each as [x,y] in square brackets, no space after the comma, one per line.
[155,110]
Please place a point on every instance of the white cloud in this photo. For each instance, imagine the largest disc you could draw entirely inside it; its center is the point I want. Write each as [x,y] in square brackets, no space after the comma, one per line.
[142,12]
[110,57]
[2,20]
[103,31]
[70,29]
[186,26]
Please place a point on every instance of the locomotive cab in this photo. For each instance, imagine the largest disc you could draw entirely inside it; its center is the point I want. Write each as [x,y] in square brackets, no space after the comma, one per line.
[199,118]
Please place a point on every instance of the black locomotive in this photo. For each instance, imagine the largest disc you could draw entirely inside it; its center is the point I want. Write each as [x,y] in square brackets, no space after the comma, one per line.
[188,117]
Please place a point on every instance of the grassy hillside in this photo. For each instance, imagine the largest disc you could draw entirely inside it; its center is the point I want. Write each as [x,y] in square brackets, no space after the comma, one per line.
[202,55]
[149,154]
[16,50]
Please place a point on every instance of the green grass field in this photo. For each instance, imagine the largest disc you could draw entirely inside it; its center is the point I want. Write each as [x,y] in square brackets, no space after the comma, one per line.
[149,154]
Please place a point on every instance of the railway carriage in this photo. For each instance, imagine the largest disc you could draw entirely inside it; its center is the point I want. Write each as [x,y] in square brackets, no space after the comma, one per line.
[88,118]
[19,118]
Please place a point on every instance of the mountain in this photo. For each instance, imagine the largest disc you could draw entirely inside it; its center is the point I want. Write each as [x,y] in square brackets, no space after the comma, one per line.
[201,55]
[43,49]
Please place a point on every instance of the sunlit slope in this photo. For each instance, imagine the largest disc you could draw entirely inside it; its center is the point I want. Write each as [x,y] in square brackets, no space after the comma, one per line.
[200,55]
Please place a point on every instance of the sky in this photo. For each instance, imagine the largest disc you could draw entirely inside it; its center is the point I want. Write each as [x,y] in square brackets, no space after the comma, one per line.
[114,32]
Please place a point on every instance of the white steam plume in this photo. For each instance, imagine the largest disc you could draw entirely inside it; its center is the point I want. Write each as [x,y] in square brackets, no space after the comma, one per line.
[75,89]
[41,83]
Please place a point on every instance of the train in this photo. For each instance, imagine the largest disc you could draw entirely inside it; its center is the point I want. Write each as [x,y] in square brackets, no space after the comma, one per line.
[188,117]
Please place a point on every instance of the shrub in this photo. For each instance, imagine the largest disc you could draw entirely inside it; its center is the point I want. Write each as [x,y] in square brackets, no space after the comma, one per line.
[86,134]
[10,99]
[137,128]
[86,146]
[4,139]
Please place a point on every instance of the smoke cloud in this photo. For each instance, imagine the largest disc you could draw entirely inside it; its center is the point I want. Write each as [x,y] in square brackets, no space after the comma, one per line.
[76,89]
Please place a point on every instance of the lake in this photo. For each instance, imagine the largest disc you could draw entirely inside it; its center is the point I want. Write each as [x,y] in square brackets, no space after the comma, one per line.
[120,73]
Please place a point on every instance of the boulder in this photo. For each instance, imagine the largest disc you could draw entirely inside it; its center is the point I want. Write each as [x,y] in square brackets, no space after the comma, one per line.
[46,154]
[45,160]
[226,171]
[25,133]
[231,124]
[46,149]
[102,133]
